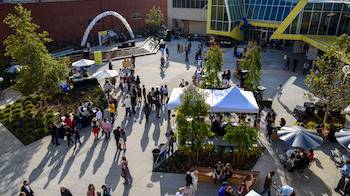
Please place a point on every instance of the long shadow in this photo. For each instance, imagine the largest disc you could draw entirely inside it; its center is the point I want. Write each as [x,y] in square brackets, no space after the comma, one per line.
[40,168]
[71,159]
[14,166]
[156,132]
[285,107]
[87,159]
[101,156]
[144,140]
[56,168]
[113,177]
[162,73]
[126,190]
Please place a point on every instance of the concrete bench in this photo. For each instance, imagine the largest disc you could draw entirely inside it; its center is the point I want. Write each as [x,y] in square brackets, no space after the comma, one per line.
[205,175]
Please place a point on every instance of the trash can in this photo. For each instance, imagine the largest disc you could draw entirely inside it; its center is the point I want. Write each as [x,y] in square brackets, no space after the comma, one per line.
[155,153]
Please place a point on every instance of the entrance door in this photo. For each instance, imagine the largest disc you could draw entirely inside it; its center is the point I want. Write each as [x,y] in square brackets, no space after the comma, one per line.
[264,36]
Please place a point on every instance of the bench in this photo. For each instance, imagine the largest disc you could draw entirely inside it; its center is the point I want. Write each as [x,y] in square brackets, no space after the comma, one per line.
[205,175]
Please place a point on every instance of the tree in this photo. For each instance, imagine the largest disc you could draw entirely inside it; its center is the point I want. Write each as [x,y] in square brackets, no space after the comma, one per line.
[251,62]
[243,136]
[155,19]
[40,73]
[213,67]
[191,120]
[327,80]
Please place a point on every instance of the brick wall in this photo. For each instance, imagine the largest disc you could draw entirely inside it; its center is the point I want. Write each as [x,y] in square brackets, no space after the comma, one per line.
[67,21]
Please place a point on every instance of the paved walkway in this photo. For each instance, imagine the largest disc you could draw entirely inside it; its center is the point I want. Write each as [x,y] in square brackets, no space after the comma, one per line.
[97,162]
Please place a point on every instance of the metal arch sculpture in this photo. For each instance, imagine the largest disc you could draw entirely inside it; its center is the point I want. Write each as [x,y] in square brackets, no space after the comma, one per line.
[99,17]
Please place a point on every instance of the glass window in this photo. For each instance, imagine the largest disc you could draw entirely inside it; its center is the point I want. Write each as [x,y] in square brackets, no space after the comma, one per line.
[212,25]
[220,13]
[314,22]
[332,29]
[318,6]
[273,13]
[324,23]
[262,11]
[327,6]
[213,13]
[305,23]
[280,13]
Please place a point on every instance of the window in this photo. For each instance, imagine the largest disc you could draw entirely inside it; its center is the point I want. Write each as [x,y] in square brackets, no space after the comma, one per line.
[195,4]
[136,16]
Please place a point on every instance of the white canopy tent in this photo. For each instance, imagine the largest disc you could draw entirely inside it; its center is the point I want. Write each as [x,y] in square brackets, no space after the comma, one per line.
[106,73]
[83,63]
[232,99]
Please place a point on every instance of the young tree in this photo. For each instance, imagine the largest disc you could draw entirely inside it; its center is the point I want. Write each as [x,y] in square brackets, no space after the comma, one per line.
[213,67]
[40,73]
[327,80]
[251,62]
[155,18]
[190,119]
[243,136]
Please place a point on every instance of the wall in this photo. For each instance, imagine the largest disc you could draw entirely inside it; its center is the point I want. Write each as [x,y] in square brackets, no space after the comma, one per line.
[186,14]
[66,21]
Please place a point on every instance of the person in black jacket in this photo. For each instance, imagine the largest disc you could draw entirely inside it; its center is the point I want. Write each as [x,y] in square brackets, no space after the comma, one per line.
[27,189]
[116,133]
[65,192]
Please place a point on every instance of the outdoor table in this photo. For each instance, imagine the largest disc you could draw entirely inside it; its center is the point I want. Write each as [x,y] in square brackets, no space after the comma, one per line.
[293,151]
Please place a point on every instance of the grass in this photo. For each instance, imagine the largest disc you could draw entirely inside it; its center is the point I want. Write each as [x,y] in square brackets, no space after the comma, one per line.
[28,118]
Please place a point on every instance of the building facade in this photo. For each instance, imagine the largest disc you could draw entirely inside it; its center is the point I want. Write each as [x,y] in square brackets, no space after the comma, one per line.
[316,22]
[188,16]
[66,20]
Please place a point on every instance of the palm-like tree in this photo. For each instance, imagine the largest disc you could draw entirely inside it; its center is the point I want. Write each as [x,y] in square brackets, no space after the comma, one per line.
[213,67]
[243,137]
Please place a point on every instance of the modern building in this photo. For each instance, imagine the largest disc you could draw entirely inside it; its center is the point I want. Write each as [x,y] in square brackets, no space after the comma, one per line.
[66,20]
[315,22]
[188,16]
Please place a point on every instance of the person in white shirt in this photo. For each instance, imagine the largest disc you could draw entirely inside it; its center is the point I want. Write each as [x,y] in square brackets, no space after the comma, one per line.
[127,104]
[99,116]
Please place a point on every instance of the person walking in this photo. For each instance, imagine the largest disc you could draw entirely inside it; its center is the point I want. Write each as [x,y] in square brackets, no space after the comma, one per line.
[69,134]
[65,191]
[144,92]
[125,172]
[286,58]
[186,55]
[116,133]
[166,94]
[27,189]
[167,54]
[123,138]
[139,94]
[127,104]
[268,183]
[295,64]
[133,101]
[91,190]
[146,110]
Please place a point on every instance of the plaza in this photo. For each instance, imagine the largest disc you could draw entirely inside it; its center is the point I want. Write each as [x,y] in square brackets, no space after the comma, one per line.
[97,162]
[179,97]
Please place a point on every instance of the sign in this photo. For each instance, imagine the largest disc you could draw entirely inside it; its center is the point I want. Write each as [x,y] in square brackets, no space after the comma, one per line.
[98,57]
[102,37]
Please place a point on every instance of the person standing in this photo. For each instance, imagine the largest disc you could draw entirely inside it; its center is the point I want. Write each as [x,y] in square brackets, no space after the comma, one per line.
[139,94]
[111,110]
[95,127]
[167,53]
[186,55]
[54,133]
[65,191]
[286,58]
[106,191]
[106,127]
[27,189]
[161,92]
[125,172]
[268,183]
[69,134]
[133,101]
[91,190]
[99,115]
[76,137]
[127,104]
[116,133]
[166,94]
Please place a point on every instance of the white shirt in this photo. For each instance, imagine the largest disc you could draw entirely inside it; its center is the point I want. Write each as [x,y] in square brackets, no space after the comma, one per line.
[99,115]
[127,102]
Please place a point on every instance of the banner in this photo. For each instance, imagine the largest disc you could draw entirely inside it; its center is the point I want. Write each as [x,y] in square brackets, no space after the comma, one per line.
[98,57]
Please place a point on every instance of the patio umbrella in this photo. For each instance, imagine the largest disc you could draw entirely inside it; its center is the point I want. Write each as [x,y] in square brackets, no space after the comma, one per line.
[343,137]
[299,137]
[105,74]
[83,63]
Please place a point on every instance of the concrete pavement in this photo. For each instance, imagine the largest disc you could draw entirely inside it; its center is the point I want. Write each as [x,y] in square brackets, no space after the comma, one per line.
[97,162]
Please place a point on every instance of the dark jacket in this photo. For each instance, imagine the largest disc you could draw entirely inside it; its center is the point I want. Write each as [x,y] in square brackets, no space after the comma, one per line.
[28,193]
